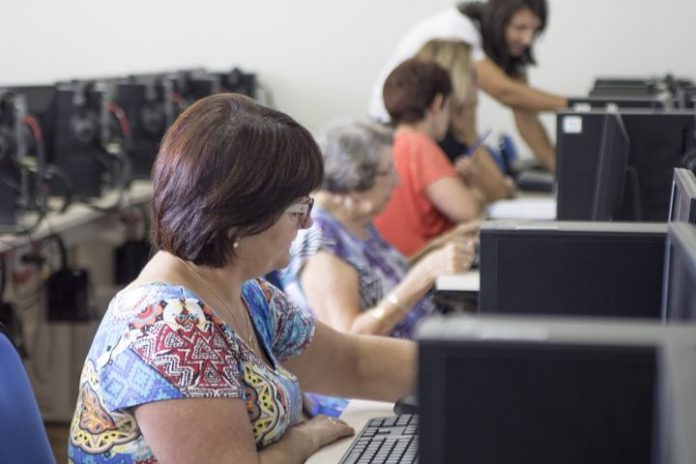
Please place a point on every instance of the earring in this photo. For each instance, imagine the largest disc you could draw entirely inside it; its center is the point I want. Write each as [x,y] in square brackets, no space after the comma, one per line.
[235,244]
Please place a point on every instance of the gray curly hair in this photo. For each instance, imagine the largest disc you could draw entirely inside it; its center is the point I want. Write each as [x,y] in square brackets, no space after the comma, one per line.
[351,153]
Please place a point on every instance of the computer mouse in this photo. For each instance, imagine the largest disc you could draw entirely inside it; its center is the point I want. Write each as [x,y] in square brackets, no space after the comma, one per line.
[406,405]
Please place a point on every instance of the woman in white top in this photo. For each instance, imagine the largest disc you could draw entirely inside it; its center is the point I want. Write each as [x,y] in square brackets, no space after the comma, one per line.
[501,34]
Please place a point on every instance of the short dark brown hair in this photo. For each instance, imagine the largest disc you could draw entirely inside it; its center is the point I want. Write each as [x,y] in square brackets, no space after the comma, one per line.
[411,88]
[226,168]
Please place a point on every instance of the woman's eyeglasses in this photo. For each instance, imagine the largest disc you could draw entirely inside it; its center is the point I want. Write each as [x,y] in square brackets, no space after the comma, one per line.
[389,172]
[302,209]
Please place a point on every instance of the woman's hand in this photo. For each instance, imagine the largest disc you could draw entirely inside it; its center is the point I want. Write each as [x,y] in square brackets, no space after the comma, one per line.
[454,257]
[467,169]
[322,430]
[468,231]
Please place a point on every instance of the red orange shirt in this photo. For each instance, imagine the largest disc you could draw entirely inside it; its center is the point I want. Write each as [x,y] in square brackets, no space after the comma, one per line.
[410,220]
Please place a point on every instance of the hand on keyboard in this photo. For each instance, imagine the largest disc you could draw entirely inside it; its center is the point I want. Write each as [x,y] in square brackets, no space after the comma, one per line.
[323,430]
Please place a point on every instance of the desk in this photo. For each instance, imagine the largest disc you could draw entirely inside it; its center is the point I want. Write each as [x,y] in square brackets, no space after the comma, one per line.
[357,413]
[534,206]
[466,282]
[458,292]
[80,221]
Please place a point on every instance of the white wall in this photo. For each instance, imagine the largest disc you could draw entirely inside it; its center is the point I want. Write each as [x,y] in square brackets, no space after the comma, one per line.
[320,57]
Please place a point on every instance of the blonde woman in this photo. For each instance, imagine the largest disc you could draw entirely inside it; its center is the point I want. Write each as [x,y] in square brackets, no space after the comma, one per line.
[479,169]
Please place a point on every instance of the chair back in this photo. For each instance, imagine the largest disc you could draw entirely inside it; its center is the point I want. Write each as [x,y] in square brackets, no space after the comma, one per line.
[24,438]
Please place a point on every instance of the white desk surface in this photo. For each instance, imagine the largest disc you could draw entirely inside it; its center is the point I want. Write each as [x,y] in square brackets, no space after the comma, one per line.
[357,413]
[78,220]
[534,206]
[466,282]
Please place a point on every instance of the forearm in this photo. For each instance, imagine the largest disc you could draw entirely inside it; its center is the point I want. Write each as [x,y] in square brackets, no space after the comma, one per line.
[295,446]
[489,178]
[518,95]
[385,368]
[387,313]
[514,91]
[534,135]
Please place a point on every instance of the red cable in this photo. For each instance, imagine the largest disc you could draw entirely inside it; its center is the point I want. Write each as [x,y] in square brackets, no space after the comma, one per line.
[34,126]
[120,115]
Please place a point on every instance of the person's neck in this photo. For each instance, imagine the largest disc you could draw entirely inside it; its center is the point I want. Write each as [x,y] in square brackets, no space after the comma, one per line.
[226,281]
[423,127]
[356,223]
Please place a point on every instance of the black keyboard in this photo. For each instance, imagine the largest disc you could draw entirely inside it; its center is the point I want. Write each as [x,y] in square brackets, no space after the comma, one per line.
[385,440]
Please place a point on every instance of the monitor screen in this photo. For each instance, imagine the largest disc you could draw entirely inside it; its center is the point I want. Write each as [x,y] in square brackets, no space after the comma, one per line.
[572,268]
[611,169]
[682,205]
[658,143]
[679,287]
[513,394]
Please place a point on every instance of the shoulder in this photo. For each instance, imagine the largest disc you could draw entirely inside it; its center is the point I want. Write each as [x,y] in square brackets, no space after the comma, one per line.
[453,24]
[412,142]
[139,304]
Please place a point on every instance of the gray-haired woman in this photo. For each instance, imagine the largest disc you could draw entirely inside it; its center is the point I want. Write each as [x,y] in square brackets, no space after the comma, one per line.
[342,270]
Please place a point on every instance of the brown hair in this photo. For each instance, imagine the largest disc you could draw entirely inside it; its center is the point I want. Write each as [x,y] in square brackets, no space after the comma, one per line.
[226,168]
[411,88]
[492,18]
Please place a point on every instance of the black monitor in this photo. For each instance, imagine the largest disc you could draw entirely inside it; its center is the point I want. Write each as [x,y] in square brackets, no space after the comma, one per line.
[238,81]
[619,101]
[623,91]
[624,81]
[77,149]
[658,144]
[40,105]
[682,204]
[679,297]
[495,390]
[148,107]
[8,151]
[597,269]
[611,169]
[686,96]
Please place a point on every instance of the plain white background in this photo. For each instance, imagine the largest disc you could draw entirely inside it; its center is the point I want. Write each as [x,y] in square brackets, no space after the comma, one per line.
[320,57]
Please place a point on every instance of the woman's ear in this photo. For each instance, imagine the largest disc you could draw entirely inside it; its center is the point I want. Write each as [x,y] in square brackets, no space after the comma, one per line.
[436,106]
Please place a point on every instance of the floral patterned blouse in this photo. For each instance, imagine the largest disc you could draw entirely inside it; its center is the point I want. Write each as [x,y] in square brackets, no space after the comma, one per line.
[380,267]
[160,341]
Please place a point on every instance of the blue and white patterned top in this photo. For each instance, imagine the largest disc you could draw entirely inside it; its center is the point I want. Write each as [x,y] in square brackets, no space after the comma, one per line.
[379,265]
[160,341]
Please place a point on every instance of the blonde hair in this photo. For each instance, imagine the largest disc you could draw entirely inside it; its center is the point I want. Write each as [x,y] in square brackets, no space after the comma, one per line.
[455,57]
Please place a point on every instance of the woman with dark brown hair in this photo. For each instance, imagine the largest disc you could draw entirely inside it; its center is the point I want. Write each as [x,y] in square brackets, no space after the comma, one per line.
[230,192]
[501,34]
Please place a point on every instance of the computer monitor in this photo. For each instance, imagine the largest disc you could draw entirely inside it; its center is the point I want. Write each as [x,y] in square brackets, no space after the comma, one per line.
[611,169]
[40,102]
[619,101]
[679,285]
[623,91]
[658,143]
[548,391]
[8,152]
[624,81]
[238,81]
[77,147]
[682,204]
[148,109]
[596,269]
